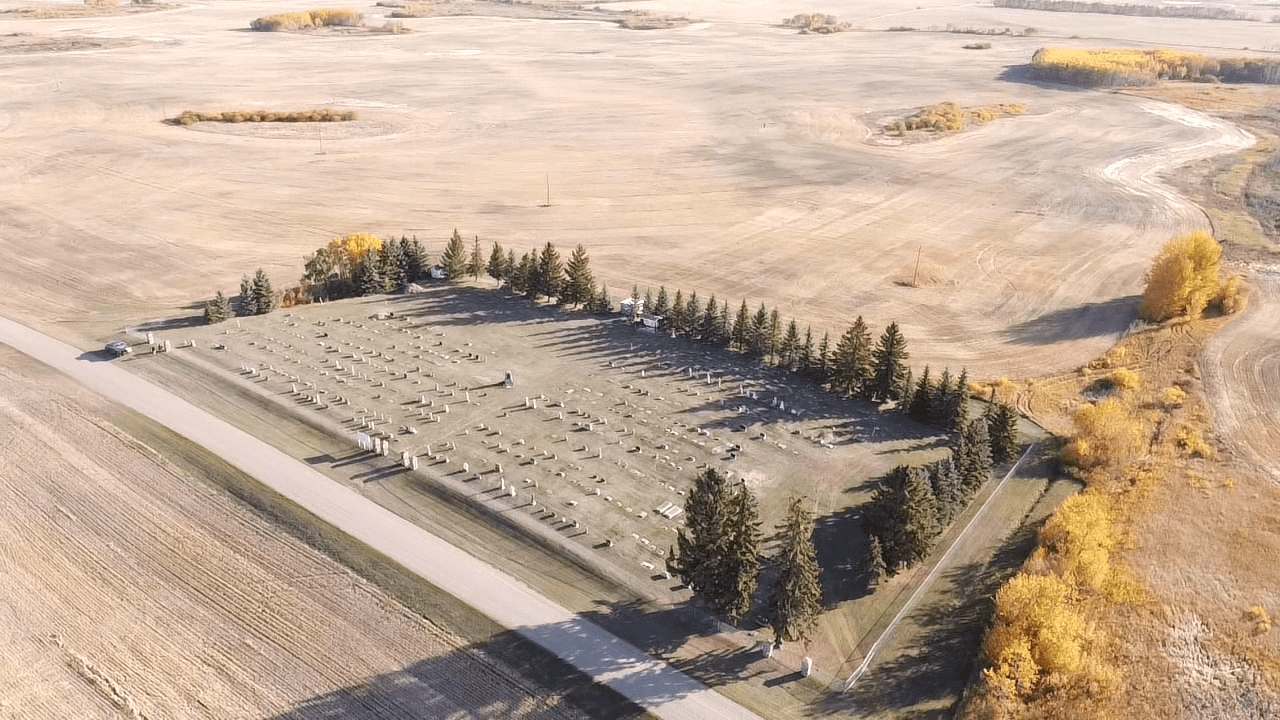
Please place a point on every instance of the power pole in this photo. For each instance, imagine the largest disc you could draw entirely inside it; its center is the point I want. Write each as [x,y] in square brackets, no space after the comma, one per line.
[548,190]
[916,277]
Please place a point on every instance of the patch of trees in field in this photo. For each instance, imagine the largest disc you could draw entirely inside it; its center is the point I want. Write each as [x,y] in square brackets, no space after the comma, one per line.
[1164,11]
[1184,280]
[949,117]
[816,23]
[1107,68]
[191,117]
[257,297]
[307,19]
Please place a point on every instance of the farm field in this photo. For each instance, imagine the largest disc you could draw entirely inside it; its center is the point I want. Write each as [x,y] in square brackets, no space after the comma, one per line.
[132,588]
[748,177]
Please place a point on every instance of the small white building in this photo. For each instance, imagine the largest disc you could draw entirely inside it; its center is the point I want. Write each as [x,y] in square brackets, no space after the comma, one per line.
[649,322]
[437,273]
[631,307]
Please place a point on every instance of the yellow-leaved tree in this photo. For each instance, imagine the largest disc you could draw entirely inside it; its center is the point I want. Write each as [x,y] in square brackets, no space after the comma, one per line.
[1036,635]
[1078,539]
[1107,433]
[1183,278]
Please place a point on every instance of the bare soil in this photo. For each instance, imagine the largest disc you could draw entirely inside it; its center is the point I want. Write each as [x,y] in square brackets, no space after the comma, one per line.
[131,588]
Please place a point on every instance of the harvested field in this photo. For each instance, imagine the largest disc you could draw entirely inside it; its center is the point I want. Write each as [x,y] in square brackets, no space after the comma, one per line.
[132,588]
[744,178]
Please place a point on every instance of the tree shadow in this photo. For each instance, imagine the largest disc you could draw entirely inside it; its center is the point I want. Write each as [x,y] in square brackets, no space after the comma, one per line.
[841,545]
[1111,317]
[1023,75]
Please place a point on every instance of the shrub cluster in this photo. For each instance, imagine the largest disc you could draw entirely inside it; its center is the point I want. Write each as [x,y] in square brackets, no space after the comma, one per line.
[1101,68]
[949,117]
[323,17]
[190,117]
[816,23]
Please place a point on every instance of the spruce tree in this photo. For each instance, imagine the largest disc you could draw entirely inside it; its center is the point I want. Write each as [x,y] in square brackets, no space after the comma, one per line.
[957,403]
[773,336]
[890,361]
[876,569]
[822,360]
[264,295]
[475,264]
[1003,430]
[677,314]
[795,599]
[368,275]
[217,310]
[454,259]
[804,356]
[662,305]
[550,272]
[790,346]
[604,303]
[699,558]
[497,268]
[852,368]
[973,458]
[579,282]
[709,323]
[921,408]
[885,518]
[692,313]
[940,411]
[947,492]
[648,300]
[920,514]
[509,270]
[390,265]
[724,328]
[742,328]
[416,261]
[532,274]
[248,302]
[760,331]
[742,558]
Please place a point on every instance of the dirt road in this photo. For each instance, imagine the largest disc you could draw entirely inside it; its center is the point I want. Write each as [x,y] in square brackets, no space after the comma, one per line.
[648,682]
[1241,369]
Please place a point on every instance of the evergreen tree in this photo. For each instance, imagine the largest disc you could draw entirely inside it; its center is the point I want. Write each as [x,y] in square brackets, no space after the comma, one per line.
[264,295]
[497,268]
[804,355]
[790,346]
[579,282]
[1003,431]
[217,310]
[921,408]
[742,557]
[677,314]
[390,264]
[662,305]
[724,330]
[742,328]
[973,458]
[648,300]
[795,599]
[940,412]
[368,277]
[248,302]
[509,270]
[852,368]
[692,313]
[454,259]
[604,303]
[920,514]
[956,403]
[416,261]
[760,332]
[709,323]
[522,276]
[947,492]
[700,558]
[822,360]
[475,264]
[532,275]
[890,361]
[885,518]
[550,272]
[773,336]
[876,568]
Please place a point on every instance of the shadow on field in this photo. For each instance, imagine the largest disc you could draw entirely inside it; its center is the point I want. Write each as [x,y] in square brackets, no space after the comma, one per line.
[925,679]
[841,544]
[463,682]
[1022,74]
[1112,317]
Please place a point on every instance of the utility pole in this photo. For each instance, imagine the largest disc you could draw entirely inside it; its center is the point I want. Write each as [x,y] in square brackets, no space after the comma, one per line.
[548,191]
[916,277]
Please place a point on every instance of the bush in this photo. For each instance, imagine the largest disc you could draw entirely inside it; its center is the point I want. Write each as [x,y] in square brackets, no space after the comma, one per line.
[324,17]
[1106,434]
[816,23]
[1259,618]
[1183,278]
[1124,379]
[949,117]
[189,117]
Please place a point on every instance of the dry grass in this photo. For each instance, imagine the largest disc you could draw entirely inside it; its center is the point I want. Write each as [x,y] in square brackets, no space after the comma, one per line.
[190,117]
[307,19]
